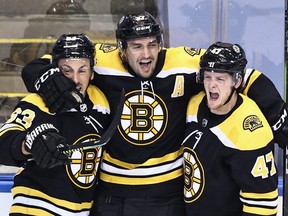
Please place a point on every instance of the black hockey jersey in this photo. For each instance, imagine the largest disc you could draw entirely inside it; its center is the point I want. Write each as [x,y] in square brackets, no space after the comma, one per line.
[145,152]
[229,168]
[145,134]
[62,190]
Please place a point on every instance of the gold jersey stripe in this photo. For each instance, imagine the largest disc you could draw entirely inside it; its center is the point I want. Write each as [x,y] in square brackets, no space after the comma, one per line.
[29,211]
[32,192]
[151,162]
[141,181]
[259,211]
[271,195]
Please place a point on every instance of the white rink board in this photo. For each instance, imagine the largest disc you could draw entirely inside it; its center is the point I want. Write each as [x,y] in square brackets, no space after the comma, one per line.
[5,203]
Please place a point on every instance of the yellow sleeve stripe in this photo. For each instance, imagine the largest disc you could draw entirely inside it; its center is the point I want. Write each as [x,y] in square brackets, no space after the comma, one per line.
[29,211]
[35,193]
[270,195]
[260,203]
[259,211]
[7,127]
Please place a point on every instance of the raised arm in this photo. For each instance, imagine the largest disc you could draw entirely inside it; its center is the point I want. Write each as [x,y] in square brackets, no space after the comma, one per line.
[45,78]
[261,89]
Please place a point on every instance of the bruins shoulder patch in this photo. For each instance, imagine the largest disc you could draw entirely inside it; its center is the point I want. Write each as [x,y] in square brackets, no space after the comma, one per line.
[192,51]
[108,48]
[252,122]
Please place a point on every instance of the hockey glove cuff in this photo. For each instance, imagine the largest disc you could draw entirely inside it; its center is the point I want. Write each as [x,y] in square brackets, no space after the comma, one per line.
[43,142]
[280,128]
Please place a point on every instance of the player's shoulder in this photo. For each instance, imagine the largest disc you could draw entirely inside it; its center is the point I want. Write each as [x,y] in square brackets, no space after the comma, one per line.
[108,61]
[98,98]
[34,100]
[107,49]
[193,106]
[195,100]
[184,56]
[246,128]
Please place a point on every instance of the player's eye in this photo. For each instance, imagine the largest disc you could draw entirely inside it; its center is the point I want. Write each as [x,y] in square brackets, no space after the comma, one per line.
[66,69]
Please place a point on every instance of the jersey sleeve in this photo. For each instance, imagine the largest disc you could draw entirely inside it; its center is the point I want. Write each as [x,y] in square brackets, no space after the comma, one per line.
[248,153]
[33,70]
[261,89]
[29,112]
[255,173]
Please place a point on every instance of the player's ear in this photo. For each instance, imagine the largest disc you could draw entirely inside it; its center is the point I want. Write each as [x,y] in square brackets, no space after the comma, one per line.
[238,78]
[238,83]
[92,74]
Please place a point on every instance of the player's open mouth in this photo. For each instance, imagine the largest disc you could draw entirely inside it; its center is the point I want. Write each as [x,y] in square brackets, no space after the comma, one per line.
[145,65]
[213,96]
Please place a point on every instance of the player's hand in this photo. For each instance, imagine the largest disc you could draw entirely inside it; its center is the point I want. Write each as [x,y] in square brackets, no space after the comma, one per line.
[281,137]
[58,92]
[280,128]
[44,142]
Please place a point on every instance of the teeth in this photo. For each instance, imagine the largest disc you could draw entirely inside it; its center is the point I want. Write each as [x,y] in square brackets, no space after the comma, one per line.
[145,61]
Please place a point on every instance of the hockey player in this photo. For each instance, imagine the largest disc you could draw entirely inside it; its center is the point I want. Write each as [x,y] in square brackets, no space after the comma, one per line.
[229,168]
[141,171]
[50,183]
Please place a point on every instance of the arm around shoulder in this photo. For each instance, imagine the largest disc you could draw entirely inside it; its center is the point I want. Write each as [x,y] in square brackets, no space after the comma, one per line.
[262,90]
[32,71]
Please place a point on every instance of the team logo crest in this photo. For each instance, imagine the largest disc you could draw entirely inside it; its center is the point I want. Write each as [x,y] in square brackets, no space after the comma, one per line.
[84,165]
[192,51]
[194,180]
[252,123]
[144,118]
[106,48]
